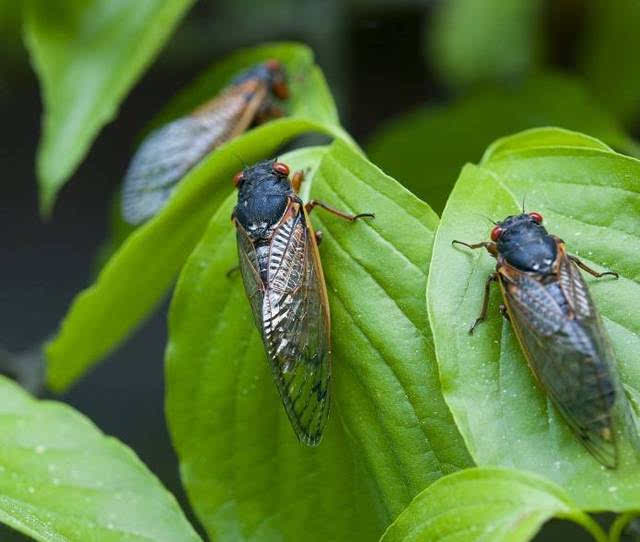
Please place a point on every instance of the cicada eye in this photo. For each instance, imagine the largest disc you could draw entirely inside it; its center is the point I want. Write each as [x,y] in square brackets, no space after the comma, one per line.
[537,217]
[238,178]
[282,169]
[273,64]
[496,232]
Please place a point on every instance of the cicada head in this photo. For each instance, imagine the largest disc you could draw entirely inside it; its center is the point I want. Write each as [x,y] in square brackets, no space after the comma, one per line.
[524,243]
[263,195]
[272,73]
[277,79]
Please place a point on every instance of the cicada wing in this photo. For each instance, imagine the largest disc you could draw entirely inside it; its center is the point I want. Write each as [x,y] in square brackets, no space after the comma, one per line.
[569,357]
[579,299]
[169,152]
[250,270]
[296,328]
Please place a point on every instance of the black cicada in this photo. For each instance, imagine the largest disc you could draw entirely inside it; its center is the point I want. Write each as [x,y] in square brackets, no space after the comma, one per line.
[283,279]
[558,327]
[169,152]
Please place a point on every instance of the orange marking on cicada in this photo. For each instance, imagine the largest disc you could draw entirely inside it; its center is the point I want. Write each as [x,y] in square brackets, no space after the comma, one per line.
[238,178]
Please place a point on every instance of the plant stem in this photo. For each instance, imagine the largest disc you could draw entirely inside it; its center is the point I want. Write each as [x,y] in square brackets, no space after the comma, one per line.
[619,524]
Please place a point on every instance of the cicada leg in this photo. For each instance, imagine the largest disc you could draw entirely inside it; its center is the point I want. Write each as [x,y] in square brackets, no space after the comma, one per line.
[319,237]
[317,203]
[489,245]
[589,270]
[296,180]
[268,111]
[485,302]
[505,312]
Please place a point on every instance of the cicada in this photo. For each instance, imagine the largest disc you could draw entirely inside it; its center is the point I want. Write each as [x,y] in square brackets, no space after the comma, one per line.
[559,329]
[169,152]
[283,279]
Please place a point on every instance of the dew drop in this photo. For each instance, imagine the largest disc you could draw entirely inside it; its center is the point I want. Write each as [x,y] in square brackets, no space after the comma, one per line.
[40,449]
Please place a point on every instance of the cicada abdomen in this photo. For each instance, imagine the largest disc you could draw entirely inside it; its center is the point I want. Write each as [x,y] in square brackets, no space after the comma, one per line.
[169,152]
[559,330]
[283,279]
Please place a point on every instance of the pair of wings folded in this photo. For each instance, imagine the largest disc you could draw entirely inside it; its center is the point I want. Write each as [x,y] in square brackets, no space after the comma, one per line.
[169,152]
[291,312]
[565,343]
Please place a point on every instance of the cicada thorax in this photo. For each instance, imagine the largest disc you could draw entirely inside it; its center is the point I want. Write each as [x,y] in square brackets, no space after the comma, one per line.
[169,152]
[559,329]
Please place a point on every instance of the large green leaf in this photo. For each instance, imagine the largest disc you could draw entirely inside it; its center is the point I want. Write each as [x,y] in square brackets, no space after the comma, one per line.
[589,197]
[62,480]
[139,274]
[486,505]
[481,40]
[88,54]
[390,433]
[426,149]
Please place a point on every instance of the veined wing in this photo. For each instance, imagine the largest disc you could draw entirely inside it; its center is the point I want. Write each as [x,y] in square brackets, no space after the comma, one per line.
[296,328]
[250,270]
[169,152]
[566,346]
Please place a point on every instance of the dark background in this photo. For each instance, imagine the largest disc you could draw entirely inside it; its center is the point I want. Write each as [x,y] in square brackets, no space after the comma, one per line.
[373,56]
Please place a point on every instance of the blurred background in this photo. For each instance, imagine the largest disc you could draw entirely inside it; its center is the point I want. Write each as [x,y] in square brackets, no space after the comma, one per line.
[424,86]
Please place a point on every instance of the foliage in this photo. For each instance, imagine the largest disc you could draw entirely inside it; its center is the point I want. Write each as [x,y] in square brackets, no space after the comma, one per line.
[588,196]
[88,54]
[486,505]
[62,479]
[434,434]
[141,271]
[391,433]
[426,148]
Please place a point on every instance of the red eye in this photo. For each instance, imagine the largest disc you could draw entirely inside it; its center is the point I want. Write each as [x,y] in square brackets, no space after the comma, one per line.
[272,64]
[496,232]
[537,217]
[238,178]
[281,168]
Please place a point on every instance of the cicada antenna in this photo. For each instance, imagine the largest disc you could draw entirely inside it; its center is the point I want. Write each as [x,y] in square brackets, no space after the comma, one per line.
[239,158]
[486,218]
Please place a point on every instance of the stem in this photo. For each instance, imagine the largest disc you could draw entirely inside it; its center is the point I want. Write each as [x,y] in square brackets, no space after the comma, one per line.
[588,523]
[619,524]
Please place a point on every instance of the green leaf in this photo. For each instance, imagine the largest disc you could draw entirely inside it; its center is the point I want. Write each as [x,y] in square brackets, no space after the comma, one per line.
[473,41]
[609,56]
[139,274]
[390,433]
[87,55]
[589,197]
[426,149]
[486,505]
[62,480]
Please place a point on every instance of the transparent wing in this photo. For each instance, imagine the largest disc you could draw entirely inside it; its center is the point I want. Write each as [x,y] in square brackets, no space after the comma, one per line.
[296,327]
[250,270]
[569,352]
[169,152]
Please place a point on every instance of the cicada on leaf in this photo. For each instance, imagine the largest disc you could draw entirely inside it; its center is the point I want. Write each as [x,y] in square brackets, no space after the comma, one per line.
[282,274]
[169,152]
[559,330]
